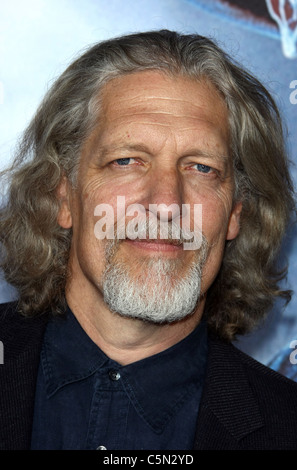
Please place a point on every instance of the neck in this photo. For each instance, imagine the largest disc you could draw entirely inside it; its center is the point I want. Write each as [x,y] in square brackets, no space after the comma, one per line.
[127,340]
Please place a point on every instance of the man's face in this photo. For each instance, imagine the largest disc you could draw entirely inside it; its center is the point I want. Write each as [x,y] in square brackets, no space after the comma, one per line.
[160,140]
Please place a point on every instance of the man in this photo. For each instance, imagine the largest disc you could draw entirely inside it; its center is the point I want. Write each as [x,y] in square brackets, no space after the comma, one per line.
[121,337]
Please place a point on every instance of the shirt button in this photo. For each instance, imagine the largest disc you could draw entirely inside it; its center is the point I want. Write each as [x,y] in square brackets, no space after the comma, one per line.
[114,375]
[101,448]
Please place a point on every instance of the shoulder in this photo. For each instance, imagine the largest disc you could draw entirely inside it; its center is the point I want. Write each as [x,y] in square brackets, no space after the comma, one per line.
[275,394]
[265,374]
[17,332]
[255,406]
[260,373]
[285,361]
[21,340]
[7,309]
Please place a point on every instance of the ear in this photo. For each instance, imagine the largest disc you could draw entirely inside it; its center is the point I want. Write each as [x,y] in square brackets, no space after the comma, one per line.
[64,218]
[234,222]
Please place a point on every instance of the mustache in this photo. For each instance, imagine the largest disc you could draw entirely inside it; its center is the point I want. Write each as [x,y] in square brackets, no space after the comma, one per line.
[146,229]
[154,229]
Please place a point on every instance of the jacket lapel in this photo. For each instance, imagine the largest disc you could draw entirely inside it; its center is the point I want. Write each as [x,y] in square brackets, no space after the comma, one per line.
[229,410]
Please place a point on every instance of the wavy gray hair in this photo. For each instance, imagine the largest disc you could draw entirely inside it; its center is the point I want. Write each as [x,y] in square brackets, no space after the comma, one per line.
[36,248]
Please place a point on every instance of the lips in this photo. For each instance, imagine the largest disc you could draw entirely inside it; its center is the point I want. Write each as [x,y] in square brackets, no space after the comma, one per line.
[156,245]
[158,241]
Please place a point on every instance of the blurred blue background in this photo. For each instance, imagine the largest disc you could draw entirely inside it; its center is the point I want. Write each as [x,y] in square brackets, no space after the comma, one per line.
[39,38]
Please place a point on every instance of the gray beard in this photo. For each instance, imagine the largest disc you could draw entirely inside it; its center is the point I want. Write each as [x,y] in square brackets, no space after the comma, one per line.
[159,294]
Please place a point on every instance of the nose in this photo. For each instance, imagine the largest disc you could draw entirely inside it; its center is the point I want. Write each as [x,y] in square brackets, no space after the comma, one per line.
[165,195]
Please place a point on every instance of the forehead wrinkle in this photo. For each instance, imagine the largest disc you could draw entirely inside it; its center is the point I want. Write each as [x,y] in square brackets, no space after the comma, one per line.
[135,144]
[130,119]
[137,112]
[140,97]
[143,110]
[140,102]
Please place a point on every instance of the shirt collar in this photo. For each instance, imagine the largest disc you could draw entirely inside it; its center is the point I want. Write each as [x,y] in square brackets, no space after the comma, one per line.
[68,353]
[157,386]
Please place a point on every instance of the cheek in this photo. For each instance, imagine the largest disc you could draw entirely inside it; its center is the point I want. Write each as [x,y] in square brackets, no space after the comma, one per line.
[216,213]
[99,208]
[216,208]
[102,190]
[105,206]
[214,225]
[212,266]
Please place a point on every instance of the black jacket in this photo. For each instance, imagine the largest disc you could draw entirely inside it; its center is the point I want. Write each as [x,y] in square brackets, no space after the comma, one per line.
[245,405]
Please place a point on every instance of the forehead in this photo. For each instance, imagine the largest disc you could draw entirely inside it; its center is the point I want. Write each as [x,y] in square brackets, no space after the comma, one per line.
[153,106]
[154,91]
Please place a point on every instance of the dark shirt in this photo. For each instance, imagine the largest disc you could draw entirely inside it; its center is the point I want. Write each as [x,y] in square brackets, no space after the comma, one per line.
[85,400]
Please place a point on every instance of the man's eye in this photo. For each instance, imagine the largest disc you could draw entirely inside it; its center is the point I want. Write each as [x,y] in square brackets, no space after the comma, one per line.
[124,161]
[203,168]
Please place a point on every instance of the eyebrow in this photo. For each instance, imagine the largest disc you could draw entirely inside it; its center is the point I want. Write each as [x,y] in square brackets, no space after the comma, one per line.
[138,147]
[107,150]
[194,152]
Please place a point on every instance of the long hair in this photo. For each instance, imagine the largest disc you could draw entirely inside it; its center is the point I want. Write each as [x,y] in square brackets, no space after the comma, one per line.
[36,248]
